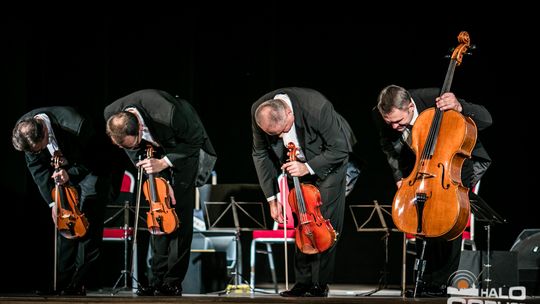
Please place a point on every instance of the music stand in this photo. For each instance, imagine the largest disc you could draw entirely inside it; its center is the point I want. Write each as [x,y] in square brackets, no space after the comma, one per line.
[372,225]
[128,233]
[484,213]
[242,220]
[126,236]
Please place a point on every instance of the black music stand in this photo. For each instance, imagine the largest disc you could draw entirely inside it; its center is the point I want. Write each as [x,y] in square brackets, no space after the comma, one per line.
[369,224]
[235,215]
[127,211]
[487,215]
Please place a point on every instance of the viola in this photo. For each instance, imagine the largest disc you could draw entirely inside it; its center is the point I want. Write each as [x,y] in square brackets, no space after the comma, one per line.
[432,201]
[70,222]
[161,219]
[314,234]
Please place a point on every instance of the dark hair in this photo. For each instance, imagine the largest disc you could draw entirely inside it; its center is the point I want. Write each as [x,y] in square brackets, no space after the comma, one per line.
[27,133]
[391,97]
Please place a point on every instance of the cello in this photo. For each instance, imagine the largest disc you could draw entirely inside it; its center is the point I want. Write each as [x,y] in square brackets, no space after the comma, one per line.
[161,219]
[70,222]
[432,201]
[314,234]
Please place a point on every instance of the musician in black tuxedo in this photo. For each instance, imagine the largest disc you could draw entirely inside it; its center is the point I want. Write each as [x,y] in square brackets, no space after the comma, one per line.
[184,156]
[394,115]
[43,132]
[305,117]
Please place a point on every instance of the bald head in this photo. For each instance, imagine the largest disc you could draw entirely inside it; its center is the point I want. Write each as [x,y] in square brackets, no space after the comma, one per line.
[122,125]
[274,117]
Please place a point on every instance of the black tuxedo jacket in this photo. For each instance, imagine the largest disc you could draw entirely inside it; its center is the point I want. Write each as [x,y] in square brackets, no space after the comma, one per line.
[401,159]
[76,140]
[324,136]
[174,124]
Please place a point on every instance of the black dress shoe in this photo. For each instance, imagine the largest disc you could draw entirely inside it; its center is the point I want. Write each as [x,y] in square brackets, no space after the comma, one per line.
[145,291]
[73,291]
[427,293]
[437,292]
[169,291]
[409,293]
[47,292]
[317,290]
[298,290]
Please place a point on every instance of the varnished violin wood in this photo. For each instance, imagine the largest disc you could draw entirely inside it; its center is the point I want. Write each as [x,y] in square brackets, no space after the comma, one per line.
[319,236]
[314,233]
[70,221]
[162,218]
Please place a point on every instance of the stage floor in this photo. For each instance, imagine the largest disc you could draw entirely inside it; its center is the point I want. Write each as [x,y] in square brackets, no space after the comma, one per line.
[242,294]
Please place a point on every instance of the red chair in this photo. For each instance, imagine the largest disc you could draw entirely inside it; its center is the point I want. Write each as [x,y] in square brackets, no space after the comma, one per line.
[275,236]
[126,196]
[268,238]
[468,233]
[124,233]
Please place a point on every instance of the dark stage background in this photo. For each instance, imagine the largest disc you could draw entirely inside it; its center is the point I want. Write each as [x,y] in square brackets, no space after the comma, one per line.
[223,64]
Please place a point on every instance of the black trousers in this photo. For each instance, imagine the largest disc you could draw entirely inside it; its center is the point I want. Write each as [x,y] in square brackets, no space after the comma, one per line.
[442,260]
[171,252]
[442,256]
[78,258]
[319,268]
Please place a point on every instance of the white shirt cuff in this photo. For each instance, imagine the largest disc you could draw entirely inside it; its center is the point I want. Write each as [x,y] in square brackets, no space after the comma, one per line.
[168,161]
[310,170]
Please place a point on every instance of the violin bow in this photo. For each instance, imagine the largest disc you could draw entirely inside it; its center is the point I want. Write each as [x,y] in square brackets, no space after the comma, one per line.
[284,198]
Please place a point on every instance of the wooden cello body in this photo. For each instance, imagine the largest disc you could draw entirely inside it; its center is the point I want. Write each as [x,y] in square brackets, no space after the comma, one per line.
[432,201]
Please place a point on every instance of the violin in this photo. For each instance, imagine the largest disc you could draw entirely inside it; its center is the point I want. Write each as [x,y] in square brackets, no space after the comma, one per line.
[161,219]
[70,222]
[432,201]
[314,234]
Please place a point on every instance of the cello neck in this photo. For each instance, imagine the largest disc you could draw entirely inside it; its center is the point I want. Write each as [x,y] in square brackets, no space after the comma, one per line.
[449,76]
[456,59]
